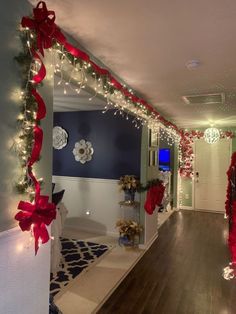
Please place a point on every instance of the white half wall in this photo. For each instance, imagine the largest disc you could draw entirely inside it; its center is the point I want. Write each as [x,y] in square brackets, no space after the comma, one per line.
[151,224]
[24,277]
[99,196]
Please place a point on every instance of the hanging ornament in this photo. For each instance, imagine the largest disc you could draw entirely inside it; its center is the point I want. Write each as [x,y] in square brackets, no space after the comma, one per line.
[211,135]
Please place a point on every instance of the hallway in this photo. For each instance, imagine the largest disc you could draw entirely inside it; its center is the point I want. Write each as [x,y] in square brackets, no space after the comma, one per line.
[182,271]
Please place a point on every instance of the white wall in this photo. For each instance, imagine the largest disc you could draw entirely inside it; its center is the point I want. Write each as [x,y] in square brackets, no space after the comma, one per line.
[24,278]
[101,197]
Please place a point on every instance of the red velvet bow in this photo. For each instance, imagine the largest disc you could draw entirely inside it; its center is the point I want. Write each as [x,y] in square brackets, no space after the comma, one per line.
[44,25]
[36,216]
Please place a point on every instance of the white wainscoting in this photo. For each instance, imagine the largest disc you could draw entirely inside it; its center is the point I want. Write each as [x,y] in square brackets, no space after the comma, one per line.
[99,196]
[24,283]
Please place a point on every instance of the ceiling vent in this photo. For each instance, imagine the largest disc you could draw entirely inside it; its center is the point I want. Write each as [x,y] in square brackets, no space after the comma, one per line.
[207,99]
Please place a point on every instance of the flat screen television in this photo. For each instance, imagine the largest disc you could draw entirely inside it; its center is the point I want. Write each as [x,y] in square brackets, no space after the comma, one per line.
[164,159]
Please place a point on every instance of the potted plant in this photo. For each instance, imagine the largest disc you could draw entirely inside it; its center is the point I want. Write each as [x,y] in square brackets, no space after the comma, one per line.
[129,231]
[129,184]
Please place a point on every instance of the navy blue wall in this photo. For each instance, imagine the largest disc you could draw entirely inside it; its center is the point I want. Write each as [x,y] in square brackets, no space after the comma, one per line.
[116,143]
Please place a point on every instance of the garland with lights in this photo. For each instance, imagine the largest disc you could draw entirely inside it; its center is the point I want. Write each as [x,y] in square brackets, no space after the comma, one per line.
[186,155]
[231,187]
[27,118]
[230,208]
[38,33]
[229,272]
[150,183]
[37,213]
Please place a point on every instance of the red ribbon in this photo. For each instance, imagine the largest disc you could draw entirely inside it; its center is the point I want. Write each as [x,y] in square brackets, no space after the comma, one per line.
[41,112]
[36,216]
[38,141]
[37,78]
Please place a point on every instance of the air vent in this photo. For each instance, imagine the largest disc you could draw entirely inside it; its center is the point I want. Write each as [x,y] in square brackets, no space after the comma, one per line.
[208,99]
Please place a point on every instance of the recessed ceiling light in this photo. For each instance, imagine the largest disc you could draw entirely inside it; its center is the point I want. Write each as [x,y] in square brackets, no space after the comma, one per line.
[192,64]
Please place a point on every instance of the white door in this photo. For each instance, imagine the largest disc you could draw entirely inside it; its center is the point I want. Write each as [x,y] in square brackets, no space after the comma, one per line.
[211,163]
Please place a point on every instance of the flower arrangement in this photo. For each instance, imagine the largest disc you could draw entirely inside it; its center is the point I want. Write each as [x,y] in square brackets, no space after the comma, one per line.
[129,183]
[128,228]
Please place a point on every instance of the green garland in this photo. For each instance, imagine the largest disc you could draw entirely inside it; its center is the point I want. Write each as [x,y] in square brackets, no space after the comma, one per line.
[105,80]
[149,184]
[28,107]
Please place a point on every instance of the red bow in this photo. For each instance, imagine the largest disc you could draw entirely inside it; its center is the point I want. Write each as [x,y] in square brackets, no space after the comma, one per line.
[44,25]
[36,216]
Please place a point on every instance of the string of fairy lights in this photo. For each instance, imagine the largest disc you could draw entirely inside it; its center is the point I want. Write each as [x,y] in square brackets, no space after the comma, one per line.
[82,74]
[26,120]
[75,74]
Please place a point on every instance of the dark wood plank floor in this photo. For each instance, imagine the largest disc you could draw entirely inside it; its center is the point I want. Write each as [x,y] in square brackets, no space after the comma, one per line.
[181,273]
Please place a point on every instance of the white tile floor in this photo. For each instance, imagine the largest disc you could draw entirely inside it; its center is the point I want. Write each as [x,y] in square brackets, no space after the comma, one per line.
[90,290]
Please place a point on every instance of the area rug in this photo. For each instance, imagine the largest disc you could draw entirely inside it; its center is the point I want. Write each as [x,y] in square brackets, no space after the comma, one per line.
[76,257]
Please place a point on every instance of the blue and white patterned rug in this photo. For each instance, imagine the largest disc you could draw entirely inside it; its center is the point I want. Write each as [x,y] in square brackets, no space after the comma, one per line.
[76,256]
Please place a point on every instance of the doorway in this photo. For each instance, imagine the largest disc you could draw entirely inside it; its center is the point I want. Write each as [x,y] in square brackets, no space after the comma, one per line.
[210,179]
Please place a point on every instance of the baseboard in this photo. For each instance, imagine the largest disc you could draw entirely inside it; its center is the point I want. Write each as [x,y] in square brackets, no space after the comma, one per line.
[82,179]
[186,207]
[209,211]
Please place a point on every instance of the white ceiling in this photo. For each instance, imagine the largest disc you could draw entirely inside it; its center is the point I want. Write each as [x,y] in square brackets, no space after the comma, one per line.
[147,44]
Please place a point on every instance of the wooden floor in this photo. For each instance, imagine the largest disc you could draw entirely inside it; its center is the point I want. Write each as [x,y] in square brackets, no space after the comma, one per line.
[181,273]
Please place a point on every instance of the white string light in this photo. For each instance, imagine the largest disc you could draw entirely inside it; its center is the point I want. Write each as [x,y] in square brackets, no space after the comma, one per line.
[81,74]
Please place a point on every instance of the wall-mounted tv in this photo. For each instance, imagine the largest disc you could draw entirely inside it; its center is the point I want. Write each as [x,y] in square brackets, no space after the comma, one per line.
[164,159]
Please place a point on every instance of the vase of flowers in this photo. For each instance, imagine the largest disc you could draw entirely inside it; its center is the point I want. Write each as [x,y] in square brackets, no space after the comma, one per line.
[129,232]
[129,184]
[129,195]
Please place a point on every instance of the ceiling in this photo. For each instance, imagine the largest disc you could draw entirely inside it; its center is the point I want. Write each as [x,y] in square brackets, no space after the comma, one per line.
[148,43]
